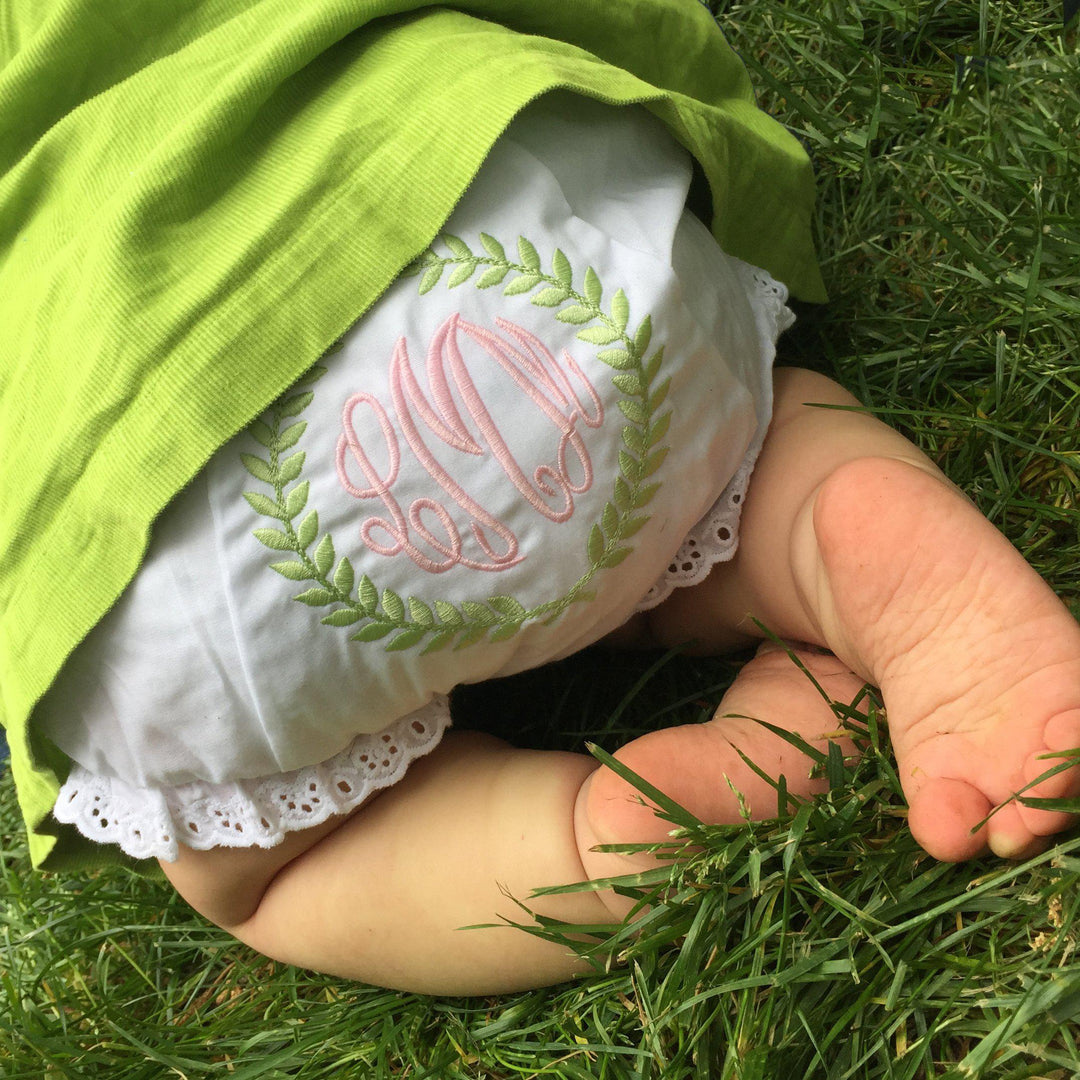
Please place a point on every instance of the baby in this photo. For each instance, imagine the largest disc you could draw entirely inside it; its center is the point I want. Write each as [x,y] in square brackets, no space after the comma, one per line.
[561,427]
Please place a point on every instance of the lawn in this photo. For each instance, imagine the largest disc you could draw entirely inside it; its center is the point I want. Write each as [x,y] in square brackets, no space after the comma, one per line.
[946,139]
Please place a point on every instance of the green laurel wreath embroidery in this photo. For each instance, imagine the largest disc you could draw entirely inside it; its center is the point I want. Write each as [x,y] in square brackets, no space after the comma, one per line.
[411,620]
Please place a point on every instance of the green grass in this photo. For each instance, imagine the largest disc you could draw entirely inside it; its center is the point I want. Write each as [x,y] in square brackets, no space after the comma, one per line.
[822,946]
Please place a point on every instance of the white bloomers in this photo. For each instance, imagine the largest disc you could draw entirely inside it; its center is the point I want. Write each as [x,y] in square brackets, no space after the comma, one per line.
[547,424]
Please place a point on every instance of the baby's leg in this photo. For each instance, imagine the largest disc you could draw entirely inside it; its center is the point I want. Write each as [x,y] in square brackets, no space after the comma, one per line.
[853,540]
[383,894]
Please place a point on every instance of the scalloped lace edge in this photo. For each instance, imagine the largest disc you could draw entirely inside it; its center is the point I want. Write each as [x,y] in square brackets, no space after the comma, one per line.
[151,822]
[715,538]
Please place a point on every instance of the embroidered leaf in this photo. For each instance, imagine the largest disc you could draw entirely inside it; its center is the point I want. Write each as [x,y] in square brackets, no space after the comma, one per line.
[344,576]
[368,595]
[549,297]
[593,288]
[628,466]
[324,555]
[508,606]
[296,404]
[560,266]
[461,274]
[529,259]
[439,640]
[448,613]
[508,630]
[262,434]
[290,468]
[342,617]
[595,547]
[392,606]
[656,399]
[317,371]
[619,359]
[406,639]
[471,636]
[600,334]
[643,336]
[315,597]
[430,278]
[622,493]
[420,613]
[653,366]
[291,435]
[296,500]
[658,428]
[633,525]
[273,538]
[620,310]
[644,496]
[615,557]
[262,505]
[458,246]
[372,632]
[493,247]
[634,439]
[294,571]
[522,284]
[493,275]
[629,382]
[634,411]
[654,461]
[575,315]
[609,520]
[478,613]
[308,530]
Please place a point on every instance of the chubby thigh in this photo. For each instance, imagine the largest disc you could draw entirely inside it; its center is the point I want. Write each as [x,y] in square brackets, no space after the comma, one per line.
[384,895]
[490,470]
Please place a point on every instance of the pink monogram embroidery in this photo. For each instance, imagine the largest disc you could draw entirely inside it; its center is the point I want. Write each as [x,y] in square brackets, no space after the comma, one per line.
[542,379]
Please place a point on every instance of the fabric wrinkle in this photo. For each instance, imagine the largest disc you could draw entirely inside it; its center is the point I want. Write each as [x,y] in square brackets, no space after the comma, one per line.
[238,638]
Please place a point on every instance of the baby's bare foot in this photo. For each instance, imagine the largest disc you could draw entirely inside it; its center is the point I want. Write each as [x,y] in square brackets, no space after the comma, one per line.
[977,660]
[698,765]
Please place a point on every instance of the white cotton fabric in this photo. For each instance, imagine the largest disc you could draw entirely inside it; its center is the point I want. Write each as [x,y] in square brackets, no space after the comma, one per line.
[715,537]
[209,705]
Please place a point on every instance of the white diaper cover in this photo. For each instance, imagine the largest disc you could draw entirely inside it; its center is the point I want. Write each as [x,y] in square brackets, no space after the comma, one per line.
[548,423]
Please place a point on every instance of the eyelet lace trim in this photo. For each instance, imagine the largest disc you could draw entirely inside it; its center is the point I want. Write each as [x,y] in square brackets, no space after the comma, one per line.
[152,822]
[716,536]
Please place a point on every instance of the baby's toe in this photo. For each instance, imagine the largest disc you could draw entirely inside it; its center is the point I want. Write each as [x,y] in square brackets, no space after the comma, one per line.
[1063,731]
[1063,785]
[1009,836]
[945,817]
[942,815]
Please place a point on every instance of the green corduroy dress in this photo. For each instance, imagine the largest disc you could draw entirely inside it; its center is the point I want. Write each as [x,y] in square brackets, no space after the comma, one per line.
[198,197]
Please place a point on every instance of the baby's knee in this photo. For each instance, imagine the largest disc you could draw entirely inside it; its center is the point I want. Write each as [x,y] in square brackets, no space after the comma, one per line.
[794,388]
[820,427]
